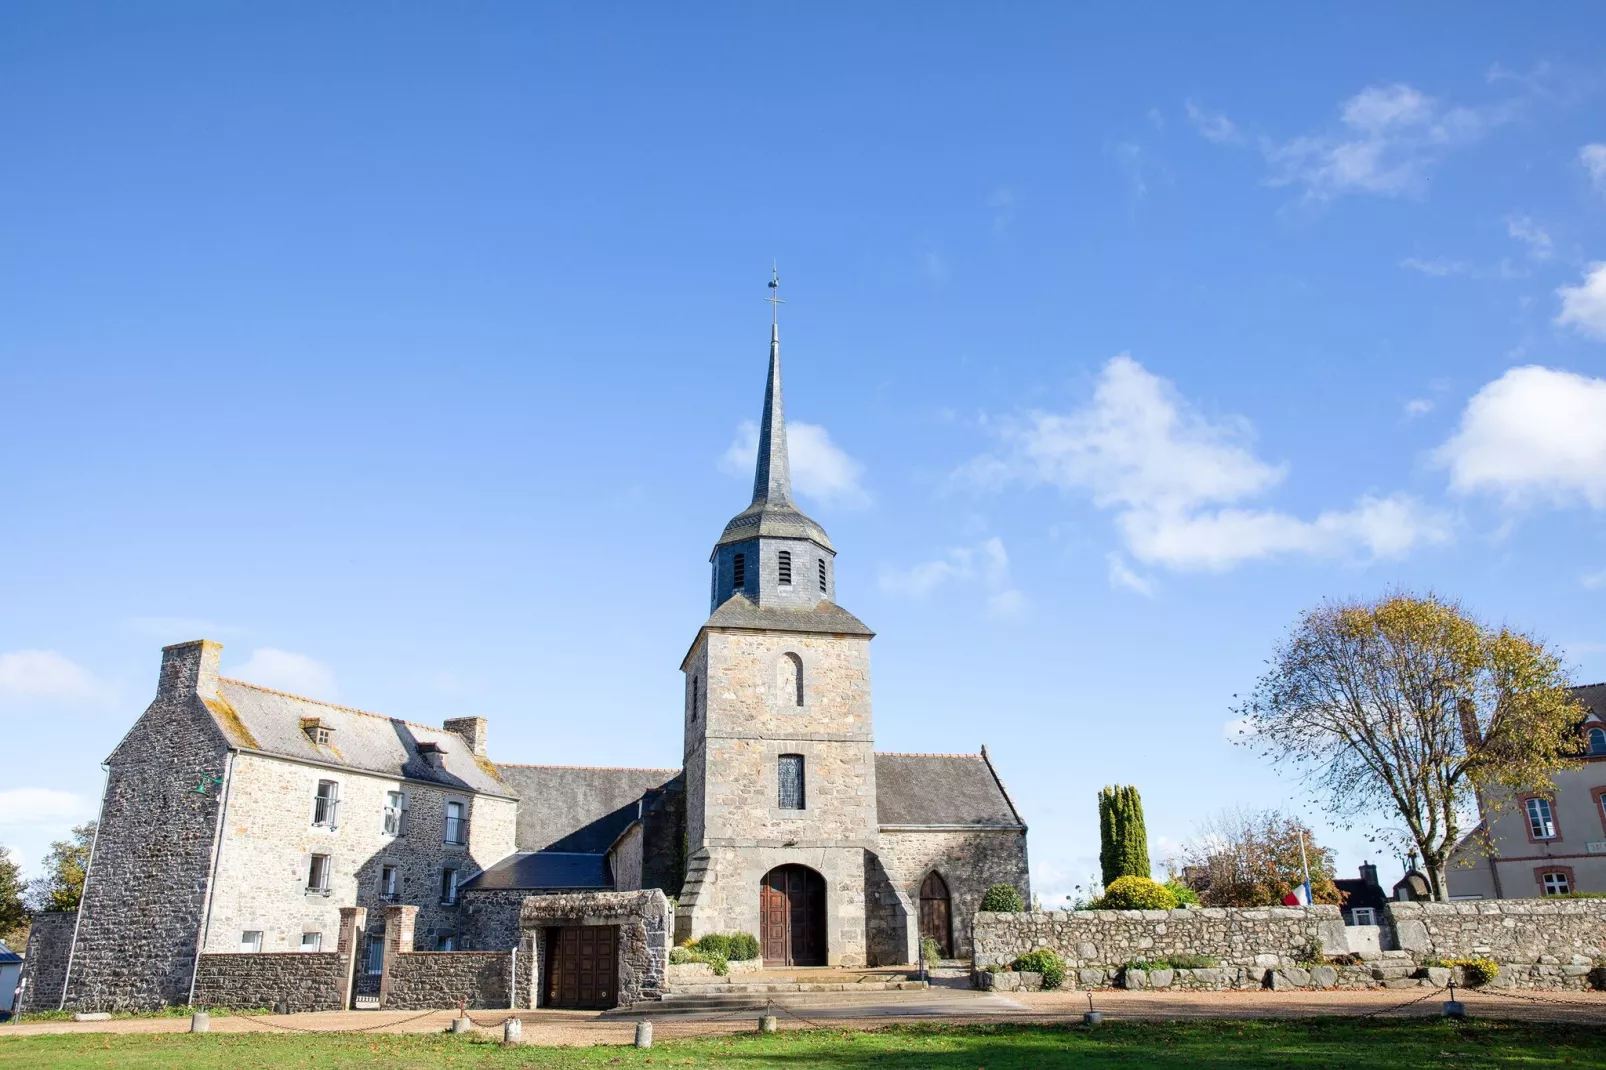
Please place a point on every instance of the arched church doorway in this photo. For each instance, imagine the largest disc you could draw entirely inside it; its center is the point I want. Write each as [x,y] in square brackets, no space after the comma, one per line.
[792,917]
[936,919]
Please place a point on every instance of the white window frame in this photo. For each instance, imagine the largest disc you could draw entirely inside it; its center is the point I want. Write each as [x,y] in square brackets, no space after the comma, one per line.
[461,823]
[326,807]
[449,885]
[251,942]
[314,888]
[1555,883]
[389,882]
[1363,916]
[395,819]
[312,942]
[1541,828]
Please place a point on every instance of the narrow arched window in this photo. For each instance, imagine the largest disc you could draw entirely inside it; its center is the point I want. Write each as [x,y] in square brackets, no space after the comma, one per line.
[739,571]
[786,568]
[789,679]
[822,575]
[1597,741]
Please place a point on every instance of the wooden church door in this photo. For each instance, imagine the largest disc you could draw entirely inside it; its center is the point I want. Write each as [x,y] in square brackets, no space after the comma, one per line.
[792,909]
[935,919]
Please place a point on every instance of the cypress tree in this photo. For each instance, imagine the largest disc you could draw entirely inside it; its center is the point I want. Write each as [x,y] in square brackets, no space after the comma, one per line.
[1123,841]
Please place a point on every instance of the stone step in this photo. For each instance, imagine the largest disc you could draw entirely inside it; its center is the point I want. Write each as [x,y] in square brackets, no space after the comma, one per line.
[770,988]
[719,1002]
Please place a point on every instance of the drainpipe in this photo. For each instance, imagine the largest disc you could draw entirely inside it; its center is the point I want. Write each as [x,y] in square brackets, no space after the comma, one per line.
[83,894]
[218,832]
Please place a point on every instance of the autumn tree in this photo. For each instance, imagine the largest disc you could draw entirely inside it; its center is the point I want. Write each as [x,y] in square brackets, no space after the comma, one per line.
[1123,841]
[1250,858]
[1410,705]
[62,886]
[13,914]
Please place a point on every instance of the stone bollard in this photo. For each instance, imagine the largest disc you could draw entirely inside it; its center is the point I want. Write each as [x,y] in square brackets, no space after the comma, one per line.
[512,1032]
[200,1022]
[1092,1017]
[766,1023]
[461,1024]
[644,1034]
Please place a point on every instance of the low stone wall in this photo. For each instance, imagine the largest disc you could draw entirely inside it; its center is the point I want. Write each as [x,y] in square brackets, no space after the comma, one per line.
[644,927]
[44,964]
[419,980]
[1267,937]
[307,981]
[1547,932]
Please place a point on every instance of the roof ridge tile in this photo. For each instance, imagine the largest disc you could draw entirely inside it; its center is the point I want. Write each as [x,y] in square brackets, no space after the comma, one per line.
[335,705]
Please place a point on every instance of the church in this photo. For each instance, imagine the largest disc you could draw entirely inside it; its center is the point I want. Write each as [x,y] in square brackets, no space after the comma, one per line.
[238,819]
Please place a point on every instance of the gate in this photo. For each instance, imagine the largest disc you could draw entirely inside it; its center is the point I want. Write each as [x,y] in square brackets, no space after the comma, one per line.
[582,967]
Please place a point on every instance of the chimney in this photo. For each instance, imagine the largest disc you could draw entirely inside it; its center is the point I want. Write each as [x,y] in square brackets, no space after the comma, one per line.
[1369,873]
[472,729]
[190,668]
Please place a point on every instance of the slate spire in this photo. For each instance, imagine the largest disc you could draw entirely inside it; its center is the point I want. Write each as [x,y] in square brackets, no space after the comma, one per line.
[772,476]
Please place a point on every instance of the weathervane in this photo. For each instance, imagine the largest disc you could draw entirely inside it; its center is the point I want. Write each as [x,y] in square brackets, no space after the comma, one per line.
[775,296]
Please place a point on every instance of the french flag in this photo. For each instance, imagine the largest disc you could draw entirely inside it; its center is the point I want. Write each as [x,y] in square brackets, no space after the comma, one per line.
[1299,897]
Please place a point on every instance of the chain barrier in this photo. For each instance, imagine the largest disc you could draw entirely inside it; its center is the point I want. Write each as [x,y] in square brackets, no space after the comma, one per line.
[1429,994]
[1506,993]
[258,1021]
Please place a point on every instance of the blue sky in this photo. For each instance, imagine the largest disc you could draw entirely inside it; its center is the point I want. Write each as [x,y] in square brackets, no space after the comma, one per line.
[407,351]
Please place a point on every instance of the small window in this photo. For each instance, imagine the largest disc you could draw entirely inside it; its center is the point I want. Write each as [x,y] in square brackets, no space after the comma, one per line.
[695,688]
[251,942]
[446,942]
[822,575]
[318,875]
[1362,916]
[789,775]
[312,941]
[316,731]
[786,568]
[456,824]
[387,882]
[739,571]
[1540,821]
[1597,741]
[326,804]
[449,887]
[395,814]
[373,959]
[1555,884]
[790,673]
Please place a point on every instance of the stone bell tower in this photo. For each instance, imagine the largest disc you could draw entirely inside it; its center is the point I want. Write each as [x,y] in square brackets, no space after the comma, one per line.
[779,746]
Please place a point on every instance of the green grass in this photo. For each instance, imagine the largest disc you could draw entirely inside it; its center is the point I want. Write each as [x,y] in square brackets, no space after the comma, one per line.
[1305,1044]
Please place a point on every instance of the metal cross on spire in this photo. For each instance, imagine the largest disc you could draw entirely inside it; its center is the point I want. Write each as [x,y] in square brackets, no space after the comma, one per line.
[775,296]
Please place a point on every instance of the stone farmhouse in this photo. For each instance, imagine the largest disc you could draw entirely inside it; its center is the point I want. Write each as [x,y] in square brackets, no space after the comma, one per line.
[242,821]
[1549,844]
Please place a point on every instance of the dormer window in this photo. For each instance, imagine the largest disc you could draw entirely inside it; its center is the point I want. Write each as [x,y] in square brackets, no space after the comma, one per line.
[1596,740]
[317,731]
[739,571]
[786,568]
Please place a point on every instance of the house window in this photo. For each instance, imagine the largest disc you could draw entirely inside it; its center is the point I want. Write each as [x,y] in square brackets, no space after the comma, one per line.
[1597,741]
[1362,916]
[1555,883]
[822,575]
[387,882]
[395,814]
[326,804]
[318,875]
[251,942]
[449,887]
[789,775]
[1541,824]
[739,571]
[312,941]
[446,942]
[373,959]
[456,824]
[786,568]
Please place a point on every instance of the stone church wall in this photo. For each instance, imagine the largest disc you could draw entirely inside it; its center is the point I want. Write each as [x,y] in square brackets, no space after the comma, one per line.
[970,861]
[44,964]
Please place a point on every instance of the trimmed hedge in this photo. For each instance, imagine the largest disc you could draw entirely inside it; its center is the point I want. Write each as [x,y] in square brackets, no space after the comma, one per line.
[1136,893]
[1042,961]
[1003,899]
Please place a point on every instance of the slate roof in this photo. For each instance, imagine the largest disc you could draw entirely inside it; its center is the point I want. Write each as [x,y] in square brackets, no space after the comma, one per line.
[261,719]
[7,955]
[544,871]
[738,612]
[574,808]
[1593,696]
[941,789]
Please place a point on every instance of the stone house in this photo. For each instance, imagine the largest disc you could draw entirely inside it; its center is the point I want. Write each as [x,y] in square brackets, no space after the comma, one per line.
[1543,844]
[242,820]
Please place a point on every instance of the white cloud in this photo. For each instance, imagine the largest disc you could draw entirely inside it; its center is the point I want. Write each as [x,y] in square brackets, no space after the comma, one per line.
[1121,575]
[1534,434]
[1170,475]
[40,806]
[287,671]
[1439,267]
[1531,234]
[1419,406]
[986,562]
[1584,306]
[820,468]
[45,676]
[1593,580]
[1593,157]
[1389,138]
[1212,126]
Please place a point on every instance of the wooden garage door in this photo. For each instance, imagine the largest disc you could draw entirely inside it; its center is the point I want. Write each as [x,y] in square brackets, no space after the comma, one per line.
[583,967]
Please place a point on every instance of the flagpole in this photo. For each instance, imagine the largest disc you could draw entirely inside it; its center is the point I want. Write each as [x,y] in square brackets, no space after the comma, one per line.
[1304,864]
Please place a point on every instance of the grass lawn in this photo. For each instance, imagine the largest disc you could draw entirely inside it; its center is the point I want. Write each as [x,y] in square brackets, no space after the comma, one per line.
[1198,1045]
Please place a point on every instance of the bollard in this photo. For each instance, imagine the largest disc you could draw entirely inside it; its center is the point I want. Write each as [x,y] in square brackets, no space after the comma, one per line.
[644,1034]
[1454,1008]
[766,1023]
[461,1025]
[200,1022]
[1091,1016]
[512,1032]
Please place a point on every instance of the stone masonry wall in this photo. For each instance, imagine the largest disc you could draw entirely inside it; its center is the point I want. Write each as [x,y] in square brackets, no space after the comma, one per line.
[1510,931]
[644,929]
[44,964]
[423,979]
[147,884]
[969,861]
[1271,937]
[311,981]
[491,918]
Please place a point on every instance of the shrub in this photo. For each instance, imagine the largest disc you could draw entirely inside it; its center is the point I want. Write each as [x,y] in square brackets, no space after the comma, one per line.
[1476,971]
[1003,898]
[1186,897]
[930,949]
[679,956]
[717,943]
[1135,893]
[1577,895]
[744,946]
[1042,961]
